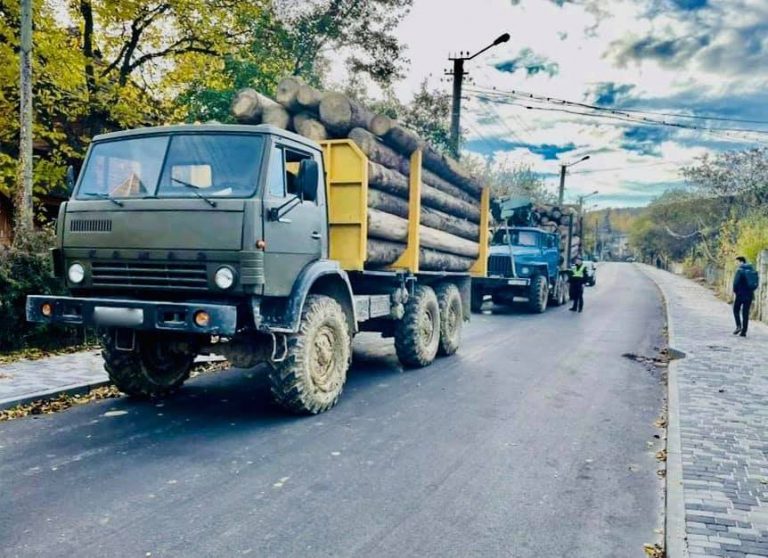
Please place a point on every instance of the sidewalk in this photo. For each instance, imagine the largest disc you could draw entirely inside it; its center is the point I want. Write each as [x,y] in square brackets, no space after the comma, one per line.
[717,466]
[27,380]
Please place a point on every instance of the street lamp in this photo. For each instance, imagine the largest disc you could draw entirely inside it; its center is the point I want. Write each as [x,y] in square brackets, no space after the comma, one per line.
[564,166]
[458,78]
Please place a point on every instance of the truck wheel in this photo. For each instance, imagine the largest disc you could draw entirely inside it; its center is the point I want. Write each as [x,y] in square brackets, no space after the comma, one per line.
[476,300]
[557,297]
[155,368]
[417,335]
[538,295]
[312,376]
[451,318]
[564,290]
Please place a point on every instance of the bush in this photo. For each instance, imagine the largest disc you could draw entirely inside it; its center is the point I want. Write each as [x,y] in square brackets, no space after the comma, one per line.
[21,273]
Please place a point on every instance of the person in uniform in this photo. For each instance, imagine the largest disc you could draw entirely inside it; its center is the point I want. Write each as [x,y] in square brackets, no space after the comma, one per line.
[578,275]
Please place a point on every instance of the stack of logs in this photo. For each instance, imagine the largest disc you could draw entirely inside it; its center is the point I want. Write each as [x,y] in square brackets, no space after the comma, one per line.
[560,219]
[450,198]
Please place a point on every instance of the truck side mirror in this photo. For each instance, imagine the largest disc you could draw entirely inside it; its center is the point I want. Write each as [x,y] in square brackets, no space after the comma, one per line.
[309,174]
[70,179]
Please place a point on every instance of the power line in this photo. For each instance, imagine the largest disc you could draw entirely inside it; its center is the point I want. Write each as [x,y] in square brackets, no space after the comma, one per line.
[525,94]
[721,133]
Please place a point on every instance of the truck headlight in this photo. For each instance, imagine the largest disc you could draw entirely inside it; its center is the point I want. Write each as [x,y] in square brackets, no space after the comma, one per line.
[224,278]
[76,273]
[525,270]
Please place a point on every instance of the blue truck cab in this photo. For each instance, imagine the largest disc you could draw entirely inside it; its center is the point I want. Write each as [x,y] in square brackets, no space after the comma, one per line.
[524,263]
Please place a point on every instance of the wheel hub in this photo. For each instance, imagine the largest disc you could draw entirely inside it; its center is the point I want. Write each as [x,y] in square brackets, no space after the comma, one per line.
[323,359]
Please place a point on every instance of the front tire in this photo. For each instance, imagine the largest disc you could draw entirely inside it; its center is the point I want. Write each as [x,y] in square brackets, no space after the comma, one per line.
[312,376]
[451,318]
[538,295]
[417,334]
[155,368]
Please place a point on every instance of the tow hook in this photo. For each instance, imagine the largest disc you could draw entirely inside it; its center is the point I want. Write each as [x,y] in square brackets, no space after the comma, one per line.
[279,347]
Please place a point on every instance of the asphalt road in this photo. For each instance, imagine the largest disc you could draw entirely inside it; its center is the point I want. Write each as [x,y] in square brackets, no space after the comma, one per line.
[534,440]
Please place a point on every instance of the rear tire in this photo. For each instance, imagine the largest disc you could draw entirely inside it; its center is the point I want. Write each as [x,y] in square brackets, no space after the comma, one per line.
[417,335]
[451,318]
[538,295]
[312,376]
[155,368]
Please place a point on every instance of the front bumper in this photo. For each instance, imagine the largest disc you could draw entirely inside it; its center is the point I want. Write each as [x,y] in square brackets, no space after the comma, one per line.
[503,281]
[133,314]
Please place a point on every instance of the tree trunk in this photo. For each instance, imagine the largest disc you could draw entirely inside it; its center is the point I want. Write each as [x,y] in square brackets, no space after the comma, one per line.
[388,203]
[340,114]
[428,177]
[276,115]
[434,218]
[391,227]
[383,252]
[433,260]
[393,182]
[308,98]
[308,126]
[448,223]
[248,105]
[287,91]
[407,141]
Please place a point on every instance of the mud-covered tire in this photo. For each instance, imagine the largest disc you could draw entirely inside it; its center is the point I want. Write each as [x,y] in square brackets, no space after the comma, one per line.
[312,376]
[538,294]
[476,300]
[558,297]
[417,334]
[156,368]
[451,318]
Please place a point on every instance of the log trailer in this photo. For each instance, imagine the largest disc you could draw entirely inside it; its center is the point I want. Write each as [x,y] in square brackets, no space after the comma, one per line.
[528,259]
[246,241]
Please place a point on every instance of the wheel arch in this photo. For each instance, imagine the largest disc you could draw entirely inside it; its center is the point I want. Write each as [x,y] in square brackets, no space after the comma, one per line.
[319,277]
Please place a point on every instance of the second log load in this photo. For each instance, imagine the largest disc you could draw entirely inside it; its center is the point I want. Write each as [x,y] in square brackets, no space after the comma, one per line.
[449,229]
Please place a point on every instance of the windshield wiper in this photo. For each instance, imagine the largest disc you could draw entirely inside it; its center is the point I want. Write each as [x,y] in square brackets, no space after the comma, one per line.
[195,191]
[104,196]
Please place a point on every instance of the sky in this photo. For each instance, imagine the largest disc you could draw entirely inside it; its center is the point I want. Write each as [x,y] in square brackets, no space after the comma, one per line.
[678,58]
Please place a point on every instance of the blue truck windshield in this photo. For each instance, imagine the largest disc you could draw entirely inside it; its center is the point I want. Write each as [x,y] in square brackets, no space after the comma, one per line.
[502,237]
[212,165]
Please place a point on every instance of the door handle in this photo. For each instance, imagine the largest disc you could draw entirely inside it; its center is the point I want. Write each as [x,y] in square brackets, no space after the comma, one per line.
[316,235]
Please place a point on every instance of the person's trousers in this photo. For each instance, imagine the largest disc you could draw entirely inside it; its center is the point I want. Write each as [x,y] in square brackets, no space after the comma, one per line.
[741,312]
[577,296]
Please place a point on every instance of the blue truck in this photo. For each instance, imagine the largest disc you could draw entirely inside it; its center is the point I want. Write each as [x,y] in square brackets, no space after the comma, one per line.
[528,257]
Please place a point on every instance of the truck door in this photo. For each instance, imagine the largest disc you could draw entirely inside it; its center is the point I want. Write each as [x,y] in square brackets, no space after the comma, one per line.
[552,255]
[297,235]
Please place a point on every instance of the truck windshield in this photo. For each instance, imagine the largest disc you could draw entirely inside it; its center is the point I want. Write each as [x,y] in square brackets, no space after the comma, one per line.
[502,237]
[189,165]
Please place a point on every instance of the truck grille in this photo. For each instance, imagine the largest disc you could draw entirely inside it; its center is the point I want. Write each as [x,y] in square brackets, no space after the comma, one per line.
[500,266]
[149,275]
[90,225]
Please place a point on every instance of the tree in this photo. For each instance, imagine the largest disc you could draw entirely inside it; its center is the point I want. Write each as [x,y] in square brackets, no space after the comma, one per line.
[741,177]
[506,178]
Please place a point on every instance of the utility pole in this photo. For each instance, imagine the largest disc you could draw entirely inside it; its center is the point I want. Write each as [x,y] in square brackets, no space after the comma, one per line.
[458,80]
[563,167]
[458,74]
[561,194]
[24,222]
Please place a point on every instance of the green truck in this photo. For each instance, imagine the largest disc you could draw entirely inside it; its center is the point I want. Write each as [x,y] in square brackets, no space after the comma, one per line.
[245,241]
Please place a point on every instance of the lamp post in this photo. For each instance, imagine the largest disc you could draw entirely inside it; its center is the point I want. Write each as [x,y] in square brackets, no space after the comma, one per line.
[563,167]
[458,74]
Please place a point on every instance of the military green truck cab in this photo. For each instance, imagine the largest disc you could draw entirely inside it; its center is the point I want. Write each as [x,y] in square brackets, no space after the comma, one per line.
[187,240]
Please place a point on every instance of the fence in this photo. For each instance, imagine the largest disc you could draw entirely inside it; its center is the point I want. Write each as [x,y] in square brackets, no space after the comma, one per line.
[761,296]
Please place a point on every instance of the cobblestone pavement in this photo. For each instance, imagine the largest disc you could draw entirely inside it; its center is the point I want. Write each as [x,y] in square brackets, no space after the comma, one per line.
[26,379]
[722,392]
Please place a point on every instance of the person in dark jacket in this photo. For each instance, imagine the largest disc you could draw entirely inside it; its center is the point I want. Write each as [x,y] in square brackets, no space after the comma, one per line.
[744,285]
[578,274]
